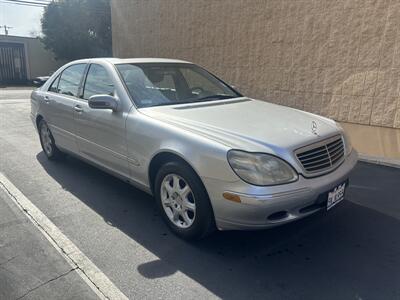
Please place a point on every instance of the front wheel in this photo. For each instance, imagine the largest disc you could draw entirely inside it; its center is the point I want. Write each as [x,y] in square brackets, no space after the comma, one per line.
[47,141]
[183,201]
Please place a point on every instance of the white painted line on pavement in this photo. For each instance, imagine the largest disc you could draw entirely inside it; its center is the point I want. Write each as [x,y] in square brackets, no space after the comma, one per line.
[92,275]
[13,101]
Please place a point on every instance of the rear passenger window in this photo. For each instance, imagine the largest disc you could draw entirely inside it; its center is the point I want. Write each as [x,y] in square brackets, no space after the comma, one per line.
[70,80]
[53,88]
[97,82]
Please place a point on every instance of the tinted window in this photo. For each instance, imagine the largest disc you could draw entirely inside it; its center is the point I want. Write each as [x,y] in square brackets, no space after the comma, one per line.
[53,87]
[70,80]
[97,82]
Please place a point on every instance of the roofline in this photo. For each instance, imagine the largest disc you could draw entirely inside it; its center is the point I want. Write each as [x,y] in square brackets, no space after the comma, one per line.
[153,62]
[117,61]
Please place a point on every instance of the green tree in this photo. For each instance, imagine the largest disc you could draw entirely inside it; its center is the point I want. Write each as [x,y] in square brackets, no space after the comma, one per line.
[75,29]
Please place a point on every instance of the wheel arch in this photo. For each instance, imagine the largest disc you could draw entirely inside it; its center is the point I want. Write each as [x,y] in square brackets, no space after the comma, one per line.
[38,119]
[162,158]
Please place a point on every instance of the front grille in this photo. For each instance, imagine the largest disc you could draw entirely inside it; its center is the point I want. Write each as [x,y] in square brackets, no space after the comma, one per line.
[322,156]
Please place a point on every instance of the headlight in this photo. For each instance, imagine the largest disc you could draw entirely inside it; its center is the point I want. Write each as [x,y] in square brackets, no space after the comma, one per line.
[260,169]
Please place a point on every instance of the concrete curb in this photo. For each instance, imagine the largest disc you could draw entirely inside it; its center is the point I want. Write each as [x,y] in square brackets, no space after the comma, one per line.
[394,163]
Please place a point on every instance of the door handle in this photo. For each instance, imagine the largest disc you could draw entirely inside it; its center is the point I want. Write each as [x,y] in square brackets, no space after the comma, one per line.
[78,109]
[46,99]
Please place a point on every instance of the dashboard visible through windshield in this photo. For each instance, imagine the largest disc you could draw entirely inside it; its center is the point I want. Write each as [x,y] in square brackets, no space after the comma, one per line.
[155,84]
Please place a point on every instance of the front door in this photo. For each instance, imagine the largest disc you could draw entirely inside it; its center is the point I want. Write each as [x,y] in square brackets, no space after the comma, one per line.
[101,132]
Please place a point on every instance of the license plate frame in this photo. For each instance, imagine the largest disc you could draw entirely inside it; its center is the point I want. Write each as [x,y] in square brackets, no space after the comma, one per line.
[336,195]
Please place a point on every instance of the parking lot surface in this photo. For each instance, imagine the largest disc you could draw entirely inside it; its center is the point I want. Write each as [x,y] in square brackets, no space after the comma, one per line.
[350,252]
[30,267]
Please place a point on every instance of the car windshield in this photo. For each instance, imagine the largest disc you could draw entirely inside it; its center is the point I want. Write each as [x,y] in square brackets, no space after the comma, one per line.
[154,84]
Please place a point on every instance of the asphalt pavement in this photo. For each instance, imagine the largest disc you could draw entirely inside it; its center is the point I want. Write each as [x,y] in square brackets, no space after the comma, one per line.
[350,252]
[30,268]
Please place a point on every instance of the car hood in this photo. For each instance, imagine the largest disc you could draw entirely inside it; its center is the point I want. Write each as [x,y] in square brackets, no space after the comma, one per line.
[247,124]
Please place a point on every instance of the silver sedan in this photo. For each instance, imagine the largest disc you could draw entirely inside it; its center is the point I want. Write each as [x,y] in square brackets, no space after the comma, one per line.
[213,158]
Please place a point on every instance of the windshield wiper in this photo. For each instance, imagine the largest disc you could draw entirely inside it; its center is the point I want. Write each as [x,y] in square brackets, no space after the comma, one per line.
[216,96]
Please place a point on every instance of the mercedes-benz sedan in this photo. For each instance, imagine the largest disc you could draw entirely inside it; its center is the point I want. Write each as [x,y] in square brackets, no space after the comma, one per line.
[212,157]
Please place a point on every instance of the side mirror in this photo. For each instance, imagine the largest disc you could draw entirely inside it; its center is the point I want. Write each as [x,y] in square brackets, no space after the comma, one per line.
[103,102]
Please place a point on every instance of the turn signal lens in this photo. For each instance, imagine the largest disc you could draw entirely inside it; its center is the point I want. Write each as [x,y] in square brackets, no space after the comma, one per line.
[231,197]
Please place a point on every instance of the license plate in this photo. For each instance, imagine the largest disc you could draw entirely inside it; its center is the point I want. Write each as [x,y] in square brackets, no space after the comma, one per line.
[336,195]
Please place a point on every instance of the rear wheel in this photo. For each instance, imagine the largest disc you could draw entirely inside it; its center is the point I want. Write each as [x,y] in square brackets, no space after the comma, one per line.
[47,141]
[183,201]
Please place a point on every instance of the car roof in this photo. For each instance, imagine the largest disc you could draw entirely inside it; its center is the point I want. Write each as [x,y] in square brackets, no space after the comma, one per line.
[116,61]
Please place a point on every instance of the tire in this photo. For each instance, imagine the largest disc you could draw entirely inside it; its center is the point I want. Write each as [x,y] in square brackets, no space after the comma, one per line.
[47,141]
[195,218]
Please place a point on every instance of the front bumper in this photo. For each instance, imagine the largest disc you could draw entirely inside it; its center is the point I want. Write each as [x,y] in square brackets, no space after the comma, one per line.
[263,207]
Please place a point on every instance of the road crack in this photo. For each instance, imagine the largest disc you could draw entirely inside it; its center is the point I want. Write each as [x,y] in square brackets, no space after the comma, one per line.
[45,283]
[8,260]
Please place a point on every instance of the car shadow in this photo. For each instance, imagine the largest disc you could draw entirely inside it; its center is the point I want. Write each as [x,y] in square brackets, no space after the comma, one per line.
[351,252]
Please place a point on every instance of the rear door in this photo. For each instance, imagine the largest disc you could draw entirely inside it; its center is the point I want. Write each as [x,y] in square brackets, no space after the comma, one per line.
[59,103]
[101,133]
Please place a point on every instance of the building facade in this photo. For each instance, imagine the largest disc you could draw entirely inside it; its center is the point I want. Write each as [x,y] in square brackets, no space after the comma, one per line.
[340,59]
[24,58]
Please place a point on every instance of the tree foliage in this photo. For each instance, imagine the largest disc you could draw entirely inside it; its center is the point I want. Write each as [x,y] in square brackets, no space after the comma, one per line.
[75,29]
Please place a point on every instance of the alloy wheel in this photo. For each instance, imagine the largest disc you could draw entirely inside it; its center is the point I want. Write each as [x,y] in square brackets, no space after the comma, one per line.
[178,200]
[46,139]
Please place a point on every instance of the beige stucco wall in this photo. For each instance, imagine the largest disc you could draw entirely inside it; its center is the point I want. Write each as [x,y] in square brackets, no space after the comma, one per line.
[39,61]
[337,58]
[374,140]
